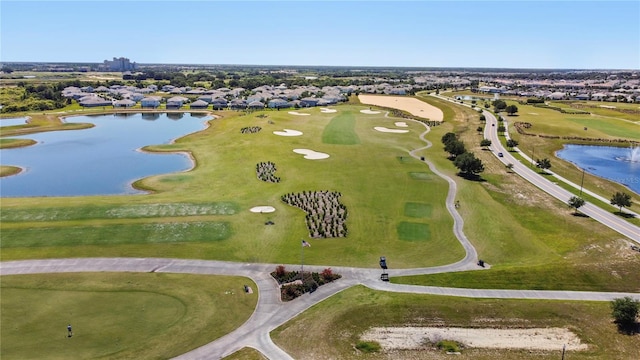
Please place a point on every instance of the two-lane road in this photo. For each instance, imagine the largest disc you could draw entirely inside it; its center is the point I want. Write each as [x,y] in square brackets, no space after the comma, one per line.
[595,212]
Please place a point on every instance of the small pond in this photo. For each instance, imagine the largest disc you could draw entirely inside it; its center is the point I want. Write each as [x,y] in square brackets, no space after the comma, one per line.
[13,121]
[621,165]
[103,160]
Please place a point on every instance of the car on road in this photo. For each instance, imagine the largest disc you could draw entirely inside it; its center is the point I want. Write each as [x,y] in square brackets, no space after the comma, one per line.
[500,154]
[383,262]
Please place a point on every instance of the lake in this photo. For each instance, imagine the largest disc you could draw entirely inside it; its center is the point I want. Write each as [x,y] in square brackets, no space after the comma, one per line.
[621,165]
[103,160]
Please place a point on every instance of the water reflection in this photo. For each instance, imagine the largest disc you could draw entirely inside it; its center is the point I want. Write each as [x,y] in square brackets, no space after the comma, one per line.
[613,163]
[103,160]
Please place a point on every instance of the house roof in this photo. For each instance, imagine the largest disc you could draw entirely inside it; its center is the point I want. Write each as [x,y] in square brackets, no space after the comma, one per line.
[199,103]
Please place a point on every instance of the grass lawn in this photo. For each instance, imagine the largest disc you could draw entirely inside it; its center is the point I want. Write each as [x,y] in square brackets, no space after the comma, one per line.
[118,315]
[348,314]
[523,233]
[246,354]
[363,166]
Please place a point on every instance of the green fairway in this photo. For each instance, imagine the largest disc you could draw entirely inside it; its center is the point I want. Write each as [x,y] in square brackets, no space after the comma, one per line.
[341,130]
[118,315]
[351,312]
[204,213]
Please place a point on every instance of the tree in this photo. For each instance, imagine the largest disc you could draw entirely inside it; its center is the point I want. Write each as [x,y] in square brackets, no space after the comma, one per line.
[509,167]
[543,164]
[511,109]
[468,164]
[455,148]
[576,202]
[479,129]
[621,199]
[449,137]
[624,311]
[483,118]
[499,105]
[485,143]
[501,129]
[512,143]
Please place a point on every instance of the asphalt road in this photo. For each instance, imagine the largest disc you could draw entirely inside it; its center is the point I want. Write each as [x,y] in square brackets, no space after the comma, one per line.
[603,216]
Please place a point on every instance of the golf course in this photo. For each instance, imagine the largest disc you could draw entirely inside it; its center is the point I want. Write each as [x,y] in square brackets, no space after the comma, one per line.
[238,203]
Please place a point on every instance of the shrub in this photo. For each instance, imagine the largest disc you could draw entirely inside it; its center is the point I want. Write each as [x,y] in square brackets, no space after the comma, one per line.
[368,346]
[448,346]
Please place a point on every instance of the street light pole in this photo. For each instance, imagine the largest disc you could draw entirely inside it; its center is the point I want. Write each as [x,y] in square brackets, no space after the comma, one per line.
[581,182]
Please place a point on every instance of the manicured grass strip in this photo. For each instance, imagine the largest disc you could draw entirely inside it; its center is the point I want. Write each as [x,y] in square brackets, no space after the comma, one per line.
[410,231]
[417,210]
[583,277]
[420,175]
[353,311]
[9,170]
[14,143]
[119,212]
[341,130]
[150,233]
[246,354]
[118,315]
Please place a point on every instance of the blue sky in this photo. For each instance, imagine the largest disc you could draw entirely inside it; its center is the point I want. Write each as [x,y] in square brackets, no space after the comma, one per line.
[505,34]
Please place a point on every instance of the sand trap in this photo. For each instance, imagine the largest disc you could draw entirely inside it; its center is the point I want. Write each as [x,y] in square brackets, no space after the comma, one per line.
[325,110]
[392,338]
[533,113]
[387,130]
[288,132]
[262,209]
[412,105]
[298,114]
[370,112]
[608,106]
[401,124]
[310,154]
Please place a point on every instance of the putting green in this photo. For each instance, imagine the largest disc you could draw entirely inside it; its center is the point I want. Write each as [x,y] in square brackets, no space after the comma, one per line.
[410,231]
[417,210]
[420,175]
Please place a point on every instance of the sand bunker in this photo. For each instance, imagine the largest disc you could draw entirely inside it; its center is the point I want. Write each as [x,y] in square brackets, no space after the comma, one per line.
[407,338]
[297,113]
[262,209]
[288,132]
[401,124]
[387,130]
[370,112]
[412,105]
[310,154]
[325,110]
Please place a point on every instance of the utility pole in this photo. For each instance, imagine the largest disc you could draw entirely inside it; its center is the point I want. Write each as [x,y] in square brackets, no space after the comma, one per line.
[563,348]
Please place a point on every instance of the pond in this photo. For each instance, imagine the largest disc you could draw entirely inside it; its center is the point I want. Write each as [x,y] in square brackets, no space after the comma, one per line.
[103,160]
[13,121]
[621,165]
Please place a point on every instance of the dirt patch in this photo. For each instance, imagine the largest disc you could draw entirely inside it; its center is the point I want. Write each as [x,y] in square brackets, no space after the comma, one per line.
[413,338]
[411,105]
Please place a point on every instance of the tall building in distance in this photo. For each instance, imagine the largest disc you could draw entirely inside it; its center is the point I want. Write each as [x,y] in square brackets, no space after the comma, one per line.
[121,64]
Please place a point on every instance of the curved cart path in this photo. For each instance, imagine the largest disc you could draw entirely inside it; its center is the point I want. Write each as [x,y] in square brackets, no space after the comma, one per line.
[270,312]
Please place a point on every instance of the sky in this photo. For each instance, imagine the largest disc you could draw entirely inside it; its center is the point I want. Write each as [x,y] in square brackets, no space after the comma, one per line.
[484,34]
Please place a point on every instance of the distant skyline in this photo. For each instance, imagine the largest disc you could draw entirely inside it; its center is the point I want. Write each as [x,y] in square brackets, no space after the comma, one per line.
[483,34]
